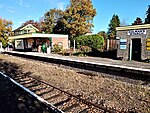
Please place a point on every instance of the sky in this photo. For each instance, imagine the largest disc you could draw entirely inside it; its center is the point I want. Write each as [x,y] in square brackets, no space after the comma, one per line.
[19,11]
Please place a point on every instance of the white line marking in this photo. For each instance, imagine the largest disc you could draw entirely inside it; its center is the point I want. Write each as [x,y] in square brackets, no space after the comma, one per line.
[32,93]
[79,61]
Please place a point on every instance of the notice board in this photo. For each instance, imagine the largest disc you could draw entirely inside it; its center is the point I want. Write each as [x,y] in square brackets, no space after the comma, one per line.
[123,43]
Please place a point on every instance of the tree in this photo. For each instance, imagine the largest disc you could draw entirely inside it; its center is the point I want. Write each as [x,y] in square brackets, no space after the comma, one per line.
[138,21]
[103,34]
[34,23]
[60,27]
[147,19]
[114,22]
[51,18]
[78,17]
[5,31]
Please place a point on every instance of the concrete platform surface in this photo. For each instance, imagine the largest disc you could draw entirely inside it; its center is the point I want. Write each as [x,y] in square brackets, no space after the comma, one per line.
[14,99]
[97,60]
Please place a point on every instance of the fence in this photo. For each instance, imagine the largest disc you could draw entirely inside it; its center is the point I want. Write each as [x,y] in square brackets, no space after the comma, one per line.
[110,44]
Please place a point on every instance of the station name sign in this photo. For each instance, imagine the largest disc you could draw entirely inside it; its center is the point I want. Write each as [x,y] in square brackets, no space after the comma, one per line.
[137,32]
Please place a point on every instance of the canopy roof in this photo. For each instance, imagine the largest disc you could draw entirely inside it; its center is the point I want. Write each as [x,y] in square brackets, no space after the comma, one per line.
[37,35]
[143,26]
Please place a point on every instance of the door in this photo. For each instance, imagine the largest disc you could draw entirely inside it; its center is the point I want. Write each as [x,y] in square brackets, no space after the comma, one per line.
[136,49]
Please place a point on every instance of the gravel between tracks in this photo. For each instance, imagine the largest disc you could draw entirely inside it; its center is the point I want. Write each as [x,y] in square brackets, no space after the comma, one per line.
[105,91]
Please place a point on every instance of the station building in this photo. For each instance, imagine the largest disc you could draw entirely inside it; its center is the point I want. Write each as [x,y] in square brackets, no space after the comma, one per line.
[28,38]
[133,42]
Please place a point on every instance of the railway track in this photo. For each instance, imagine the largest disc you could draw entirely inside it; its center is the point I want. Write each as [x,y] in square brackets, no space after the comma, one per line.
[61,99]
[110,69]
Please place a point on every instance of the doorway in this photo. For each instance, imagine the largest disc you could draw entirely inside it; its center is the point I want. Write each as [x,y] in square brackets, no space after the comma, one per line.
[136,49]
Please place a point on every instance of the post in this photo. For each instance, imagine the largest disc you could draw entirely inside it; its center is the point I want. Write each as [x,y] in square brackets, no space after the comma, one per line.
[107,44]
[1,47]
[130,49]
[74,48]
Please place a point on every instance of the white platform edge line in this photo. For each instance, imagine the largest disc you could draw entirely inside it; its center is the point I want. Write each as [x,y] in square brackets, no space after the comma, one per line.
[32,93]
[110,65]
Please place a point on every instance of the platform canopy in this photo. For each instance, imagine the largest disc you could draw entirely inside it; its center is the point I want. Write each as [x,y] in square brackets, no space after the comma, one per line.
[37,35]
[132,27]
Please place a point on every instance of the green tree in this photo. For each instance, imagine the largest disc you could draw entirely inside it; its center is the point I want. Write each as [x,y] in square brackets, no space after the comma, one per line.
[78,17]
[93,41]
[103,34]
[51,18]
[147,19]
[114,22]
[138,21]
[5,31]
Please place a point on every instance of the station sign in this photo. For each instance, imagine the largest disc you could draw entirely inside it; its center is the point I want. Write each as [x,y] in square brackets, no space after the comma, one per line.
[137,32]
[123,43]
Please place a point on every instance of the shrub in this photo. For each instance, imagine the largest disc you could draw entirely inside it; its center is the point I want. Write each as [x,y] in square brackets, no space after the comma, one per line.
[92,41]
[63,52]
[56,48]
[85,49]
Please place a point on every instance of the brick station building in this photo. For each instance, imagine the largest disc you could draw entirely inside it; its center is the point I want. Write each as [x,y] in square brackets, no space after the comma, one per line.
[133,42]
[28,38]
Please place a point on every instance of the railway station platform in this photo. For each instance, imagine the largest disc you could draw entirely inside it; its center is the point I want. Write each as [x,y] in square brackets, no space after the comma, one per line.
[105,65]
[14,98]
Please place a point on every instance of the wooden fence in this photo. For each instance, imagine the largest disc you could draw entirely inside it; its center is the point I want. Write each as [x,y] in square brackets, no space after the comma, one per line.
[110,44]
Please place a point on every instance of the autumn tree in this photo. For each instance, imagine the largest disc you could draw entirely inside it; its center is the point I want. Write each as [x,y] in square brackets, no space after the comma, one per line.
[60,27]
[138,21]
[114,22]
[51,18]
[5,31]
[78,17]
[147,19]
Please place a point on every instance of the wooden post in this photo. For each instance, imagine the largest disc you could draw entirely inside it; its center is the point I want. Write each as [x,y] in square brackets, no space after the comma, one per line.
[107,44]
[74,48]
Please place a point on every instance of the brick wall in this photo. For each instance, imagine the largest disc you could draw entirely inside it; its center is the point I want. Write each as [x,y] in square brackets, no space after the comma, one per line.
[125,53]
[64,42]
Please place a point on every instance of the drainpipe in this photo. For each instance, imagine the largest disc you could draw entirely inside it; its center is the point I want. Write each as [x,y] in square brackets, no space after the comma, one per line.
[130,49]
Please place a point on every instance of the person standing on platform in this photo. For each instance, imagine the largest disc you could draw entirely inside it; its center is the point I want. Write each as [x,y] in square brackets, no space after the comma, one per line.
[39,48]
[43,48]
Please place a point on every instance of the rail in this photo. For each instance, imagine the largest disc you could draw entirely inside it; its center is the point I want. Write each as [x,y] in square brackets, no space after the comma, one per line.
[82,101]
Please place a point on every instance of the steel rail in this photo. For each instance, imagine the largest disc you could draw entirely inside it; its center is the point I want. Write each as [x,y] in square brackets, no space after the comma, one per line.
[74,96]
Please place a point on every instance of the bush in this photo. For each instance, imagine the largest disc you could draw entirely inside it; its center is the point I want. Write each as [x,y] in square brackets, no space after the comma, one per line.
[92,41]
[4,42]
[85,49]
[56,48]
[79,53]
